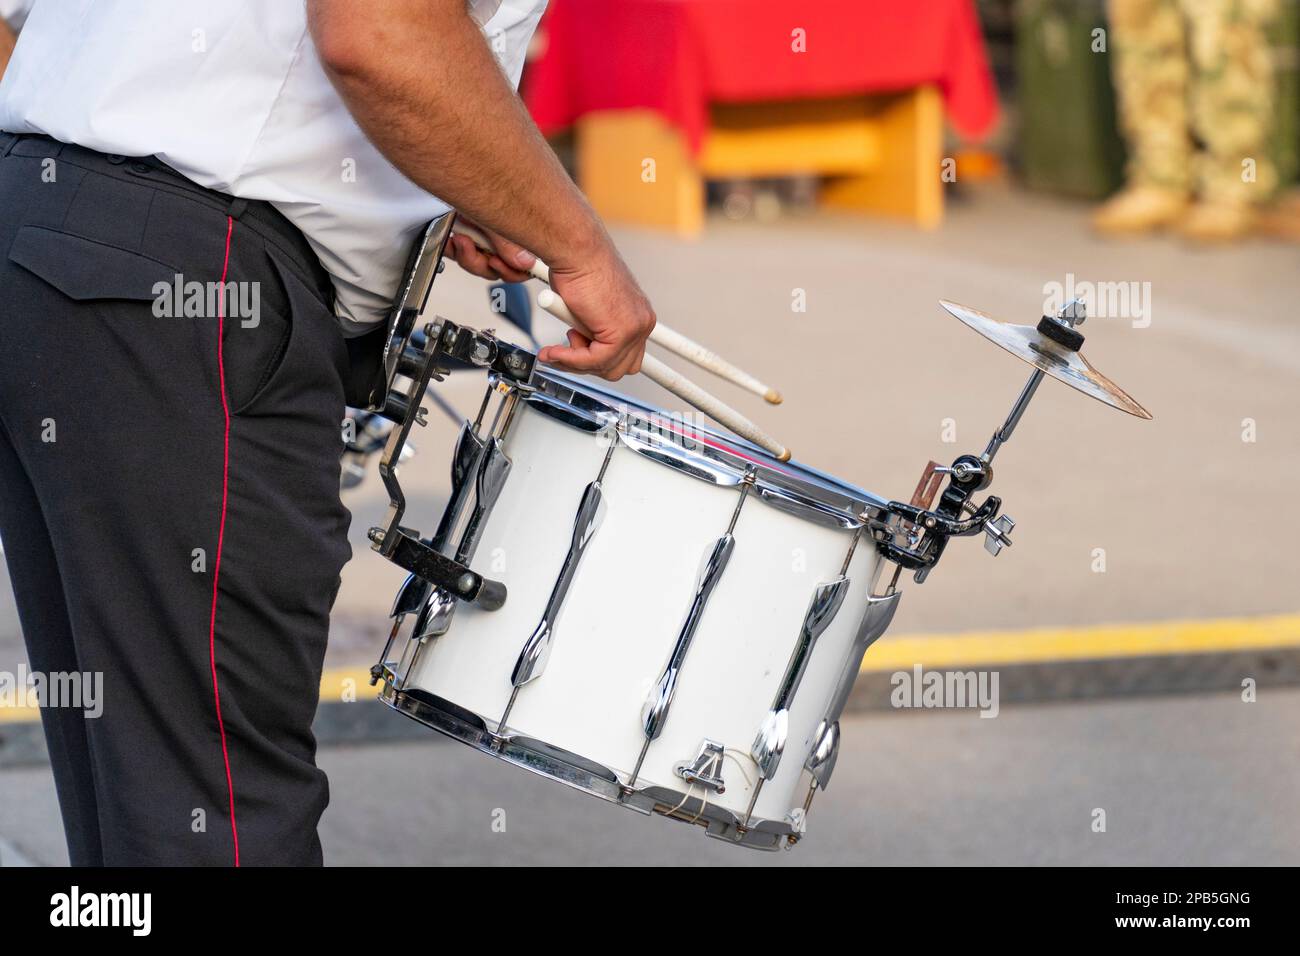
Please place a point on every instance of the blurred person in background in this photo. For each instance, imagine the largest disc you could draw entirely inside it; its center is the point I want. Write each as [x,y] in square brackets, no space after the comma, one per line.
[1195,84]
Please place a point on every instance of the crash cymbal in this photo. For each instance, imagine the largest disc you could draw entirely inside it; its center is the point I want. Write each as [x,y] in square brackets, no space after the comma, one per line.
[1052,357]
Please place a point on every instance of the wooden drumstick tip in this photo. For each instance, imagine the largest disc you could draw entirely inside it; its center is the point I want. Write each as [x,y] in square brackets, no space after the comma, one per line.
[784,456]
[773,397]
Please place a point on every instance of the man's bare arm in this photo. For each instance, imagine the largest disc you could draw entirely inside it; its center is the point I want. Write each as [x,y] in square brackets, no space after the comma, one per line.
[7,40]
[420,80]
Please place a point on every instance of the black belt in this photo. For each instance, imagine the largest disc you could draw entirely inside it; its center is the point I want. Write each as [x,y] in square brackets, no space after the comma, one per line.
[257,214]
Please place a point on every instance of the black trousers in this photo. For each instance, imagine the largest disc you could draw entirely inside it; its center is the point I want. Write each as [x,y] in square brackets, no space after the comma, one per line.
[169,502]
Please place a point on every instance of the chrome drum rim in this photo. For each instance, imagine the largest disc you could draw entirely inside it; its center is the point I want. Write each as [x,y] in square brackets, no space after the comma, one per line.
[582,774]
[701,451]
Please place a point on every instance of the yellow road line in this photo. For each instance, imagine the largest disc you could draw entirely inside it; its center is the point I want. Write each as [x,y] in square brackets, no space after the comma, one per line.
[1084,643]
[905,651]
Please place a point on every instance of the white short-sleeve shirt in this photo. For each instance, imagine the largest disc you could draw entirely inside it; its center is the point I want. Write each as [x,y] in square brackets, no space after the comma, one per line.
[231,94]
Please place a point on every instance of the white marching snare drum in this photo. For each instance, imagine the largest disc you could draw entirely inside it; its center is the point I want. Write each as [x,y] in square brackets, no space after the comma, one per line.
[647,611]
[685,614]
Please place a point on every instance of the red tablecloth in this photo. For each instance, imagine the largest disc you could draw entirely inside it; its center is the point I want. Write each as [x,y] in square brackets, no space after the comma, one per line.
[677,56]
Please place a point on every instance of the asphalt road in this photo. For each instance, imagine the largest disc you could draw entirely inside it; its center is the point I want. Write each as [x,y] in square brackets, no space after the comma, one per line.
[1205,780]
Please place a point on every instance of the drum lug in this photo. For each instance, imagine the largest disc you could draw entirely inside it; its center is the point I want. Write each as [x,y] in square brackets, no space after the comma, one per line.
[470,449]
[770,742]
[706,769]
[825,751]
[826,739]
[537,649]
[533,657]
[654,712]
[875,621]
[490,478]
[410,598]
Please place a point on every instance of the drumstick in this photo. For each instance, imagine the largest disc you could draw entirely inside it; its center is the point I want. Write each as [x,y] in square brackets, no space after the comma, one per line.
[668,338]
[680,386]
[710,361]
[539,269]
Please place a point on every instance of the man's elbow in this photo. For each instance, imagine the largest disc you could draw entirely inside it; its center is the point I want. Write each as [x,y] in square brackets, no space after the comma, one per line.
[354,39]
[340,39]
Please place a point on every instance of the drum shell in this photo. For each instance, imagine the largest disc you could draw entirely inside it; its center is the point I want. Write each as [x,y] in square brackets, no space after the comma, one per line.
[626,606]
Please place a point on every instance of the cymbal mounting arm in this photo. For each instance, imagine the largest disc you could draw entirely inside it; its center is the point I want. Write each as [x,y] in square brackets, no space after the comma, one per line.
[926,532]
[1003,434]
[1069,318]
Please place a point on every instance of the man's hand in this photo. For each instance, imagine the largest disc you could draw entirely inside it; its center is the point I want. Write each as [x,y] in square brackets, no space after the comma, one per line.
[506,261]
[420,80]
[615,316]
[614,313]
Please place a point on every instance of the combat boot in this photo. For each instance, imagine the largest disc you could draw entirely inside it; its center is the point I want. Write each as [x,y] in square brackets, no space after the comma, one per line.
[1218,220]
[1281,220]
[1139,209]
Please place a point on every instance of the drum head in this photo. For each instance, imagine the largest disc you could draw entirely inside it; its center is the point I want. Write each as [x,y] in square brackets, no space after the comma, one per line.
[712,450]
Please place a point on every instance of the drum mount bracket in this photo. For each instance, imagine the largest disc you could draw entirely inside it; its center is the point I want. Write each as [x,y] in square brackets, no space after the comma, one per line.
[927,530]
[413,358]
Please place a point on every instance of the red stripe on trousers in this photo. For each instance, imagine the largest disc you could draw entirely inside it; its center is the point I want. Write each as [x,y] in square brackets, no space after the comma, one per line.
[221,532]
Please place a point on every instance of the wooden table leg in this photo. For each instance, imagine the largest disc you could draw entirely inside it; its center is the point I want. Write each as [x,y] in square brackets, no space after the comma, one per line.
[907,181]
[636,168]
[882,155]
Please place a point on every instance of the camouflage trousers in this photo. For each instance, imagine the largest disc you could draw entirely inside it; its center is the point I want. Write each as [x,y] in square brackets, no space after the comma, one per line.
[1196,94]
